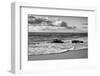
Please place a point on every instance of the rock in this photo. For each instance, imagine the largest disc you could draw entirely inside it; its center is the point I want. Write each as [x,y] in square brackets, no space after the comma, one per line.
[57,41]
[77,41]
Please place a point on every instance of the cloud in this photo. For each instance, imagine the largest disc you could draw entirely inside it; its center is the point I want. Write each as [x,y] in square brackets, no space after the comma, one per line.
[84,23]
[48,29]
[37,23]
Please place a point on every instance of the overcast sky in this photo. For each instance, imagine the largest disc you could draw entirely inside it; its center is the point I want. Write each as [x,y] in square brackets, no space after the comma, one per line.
[81,24]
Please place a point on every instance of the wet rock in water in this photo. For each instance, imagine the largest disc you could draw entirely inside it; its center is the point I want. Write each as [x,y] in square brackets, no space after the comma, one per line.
[57,41]
[77,41]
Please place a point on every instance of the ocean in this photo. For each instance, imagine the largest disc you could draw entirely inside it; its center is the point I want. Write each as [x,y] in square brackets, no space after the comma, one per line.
[40,46]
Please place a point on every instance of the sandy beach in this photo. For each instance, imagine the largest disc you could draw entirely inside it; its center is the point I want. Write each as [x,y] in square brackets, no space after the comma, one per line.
[72,54]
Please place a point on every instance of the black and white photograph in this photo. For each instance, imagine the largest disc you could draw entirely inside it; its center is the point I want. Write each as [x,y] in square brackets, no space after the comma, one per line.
[52,37]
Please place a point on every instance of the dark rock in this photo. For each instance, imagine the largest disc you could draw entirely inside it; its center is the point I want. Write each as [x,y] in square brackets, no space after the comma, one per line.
[57,41]
[77,41]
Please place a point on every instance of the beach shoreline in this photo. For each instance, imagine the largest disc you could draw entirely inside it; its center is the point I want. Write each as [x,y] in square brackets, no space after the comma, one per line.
[71,54]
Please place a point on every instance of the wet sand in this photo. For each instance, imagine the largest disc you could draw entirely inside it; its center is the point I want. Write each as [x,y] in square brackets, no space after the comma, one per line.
[72,54]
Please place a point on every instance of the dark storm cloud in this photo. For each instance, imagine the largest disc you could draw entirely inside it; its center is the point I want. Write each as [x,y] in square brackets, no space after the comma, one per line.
[65,24]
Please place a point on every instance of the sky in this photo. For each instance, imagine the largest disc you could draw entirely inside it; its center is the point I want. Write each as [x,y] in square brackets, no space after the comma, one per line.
[73,24]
